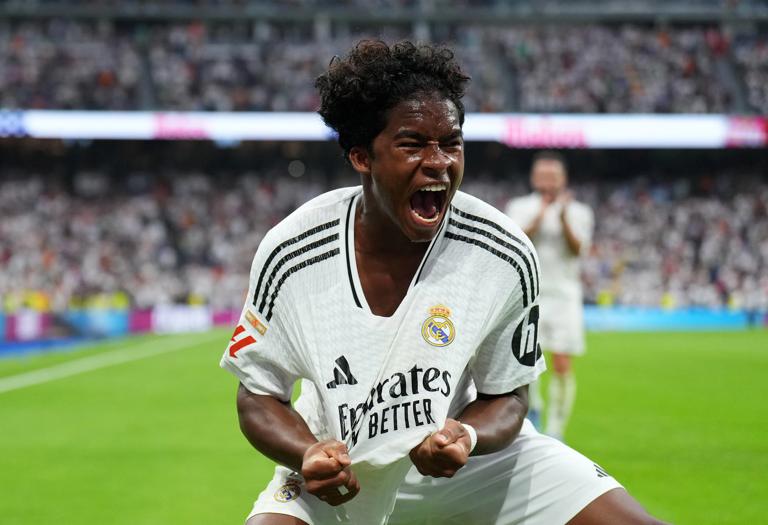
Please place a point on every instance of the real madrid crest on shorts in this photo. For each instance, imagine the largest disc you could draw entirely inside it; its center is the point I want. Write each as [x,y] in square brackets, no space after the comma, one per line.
[288,492]
[438,329]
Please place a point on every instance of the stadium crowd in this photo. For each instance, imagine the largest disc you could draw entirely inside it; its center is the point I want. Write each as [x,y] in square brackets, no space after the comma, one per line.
[751,53]
[669,245]
[185,240]
[70,64]
[190,239]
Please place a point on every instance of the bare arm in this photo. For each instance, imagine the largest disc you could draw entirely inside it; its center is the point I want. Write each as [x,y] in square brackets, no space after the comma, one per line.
[276,430]
[573,242]
[497,419]
[533,228]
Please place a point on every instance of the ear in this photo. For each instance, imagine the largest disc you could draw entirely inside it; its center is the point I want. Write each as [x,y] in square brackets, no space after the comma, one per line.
[360,158]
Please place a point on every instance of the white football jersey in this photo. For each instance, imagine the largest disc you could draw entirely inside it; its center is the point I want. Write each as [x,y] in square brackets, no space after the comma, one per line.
[560,267]
[382,384]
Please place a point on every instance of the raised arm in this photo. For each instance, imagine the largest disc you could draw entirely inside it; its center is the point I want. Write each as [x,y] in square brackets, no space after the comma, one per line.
[532,228]
[573,242]
[276,430]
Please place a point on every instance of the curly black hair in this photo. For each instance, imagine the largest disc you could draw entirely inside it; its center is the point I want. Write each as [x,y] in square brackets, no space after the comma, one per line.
[357,92]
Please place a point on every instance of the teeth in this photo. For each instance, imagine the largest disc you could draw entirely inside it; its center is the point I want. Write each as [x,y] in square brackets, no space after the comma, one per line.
[435,187]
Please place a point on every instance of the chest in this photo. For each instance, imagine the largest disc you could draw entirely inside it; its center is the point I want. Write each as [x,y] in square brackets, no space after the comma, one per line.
[384,282]
[438,325]
[378,376]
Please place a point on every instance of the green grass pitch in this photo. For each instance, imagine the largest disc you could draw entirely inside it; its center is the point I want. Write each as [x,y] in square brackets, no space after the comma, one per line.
[679,418]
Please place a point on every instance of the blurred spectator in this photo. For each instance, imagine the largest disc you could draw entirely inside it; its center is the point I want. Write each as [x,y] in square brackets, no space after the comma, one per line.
[267,66]
[67,65]
[672,244]
[190,238]
[751,53]
[598,69]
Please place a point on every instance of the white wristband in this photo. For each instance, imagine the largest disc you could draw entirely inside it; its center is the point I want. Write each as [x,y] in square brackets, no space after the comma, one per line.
[472,436]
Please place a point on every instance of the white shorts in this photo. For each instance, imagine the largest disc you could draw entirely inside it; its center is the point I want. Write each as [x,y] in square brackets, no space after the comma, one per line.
[561,326]
[535,481]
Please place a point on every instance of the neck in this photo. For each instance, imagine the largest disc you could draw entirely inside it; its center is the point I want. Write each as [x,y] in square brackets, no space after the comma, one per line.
[377,234]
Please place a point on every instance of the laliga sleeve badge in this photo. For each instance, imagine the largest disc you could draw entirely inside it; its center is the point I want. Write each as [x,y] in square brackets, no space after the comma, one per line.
[438,329]
[288,492]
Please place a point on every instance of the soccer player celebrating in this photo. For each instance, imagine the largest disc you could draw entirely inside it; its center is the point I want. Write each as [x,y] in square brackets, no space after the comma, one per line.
[561,229]
[409,312]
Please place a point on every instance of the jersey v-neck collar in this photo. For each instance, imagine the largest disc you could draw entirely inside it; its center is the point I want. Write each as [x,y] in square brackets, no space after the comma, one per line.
[355,285]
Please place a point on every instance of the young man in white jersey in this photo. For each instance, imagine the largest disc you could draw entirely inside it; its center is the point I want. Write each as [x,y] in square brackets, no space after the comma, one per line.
[561,229]
[409,311]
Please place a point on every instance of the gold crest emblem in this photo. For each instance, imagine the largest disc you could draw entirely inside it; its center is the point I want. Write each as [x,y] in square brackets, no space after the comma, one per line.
[438,329]
[288,492]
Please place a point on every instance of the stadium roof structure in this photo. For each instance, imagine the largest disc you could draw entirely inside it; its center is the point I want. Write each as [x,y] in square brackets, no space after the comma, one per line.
[492,12]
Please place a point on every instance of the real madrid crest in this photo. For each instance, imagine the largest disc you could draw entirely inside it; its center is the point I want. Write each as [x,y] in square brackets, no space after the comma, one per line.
[288,492]
[438,329]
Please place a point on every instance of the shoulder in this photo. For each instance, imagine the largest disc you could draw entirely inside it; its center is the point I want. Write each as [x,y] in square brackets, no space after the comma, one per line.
[496,242]
[318,217]
[474,212]
[296,249]
[523,204]
[327,202]
[581,208]
[524,200]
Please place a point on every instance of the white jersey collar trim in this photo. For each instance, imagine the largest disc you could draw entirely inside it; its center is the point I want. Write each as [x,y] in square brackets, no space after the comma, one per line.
[354,278]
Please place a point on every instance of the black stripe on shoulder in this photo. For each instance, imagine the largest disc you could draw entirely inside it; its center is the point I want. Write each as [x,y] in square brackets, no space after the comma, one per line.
[497,253]
[517,240]
[293,255]
[293,269]
[289,242]
[501,242]
[346,252]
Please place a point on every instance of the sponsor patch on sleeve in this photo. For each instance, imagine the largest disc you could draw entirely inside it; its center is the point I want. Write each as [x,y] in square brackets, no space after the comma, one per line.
[525,341]
[255,323]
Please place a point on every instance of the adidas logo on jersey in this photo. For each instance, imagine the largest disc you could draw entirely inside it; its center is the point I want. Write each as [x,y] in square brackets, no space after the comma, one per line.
[600,472]
[342,375]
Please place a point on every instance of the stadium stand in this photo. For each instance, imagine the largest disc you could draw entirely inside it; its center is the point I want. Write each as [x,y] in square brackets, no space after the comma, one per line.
[151,240]
[68,65]
[750,50]
[188,237]
[269,66]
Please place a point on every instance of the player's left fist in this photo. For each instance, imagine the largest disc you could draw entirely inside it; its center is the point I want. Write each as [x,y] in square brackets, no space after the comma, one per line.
[443,453]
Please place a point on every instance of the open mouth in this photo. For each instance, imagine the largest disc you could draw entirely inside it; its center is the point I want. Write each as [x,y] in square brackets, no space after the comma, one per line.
[427,203]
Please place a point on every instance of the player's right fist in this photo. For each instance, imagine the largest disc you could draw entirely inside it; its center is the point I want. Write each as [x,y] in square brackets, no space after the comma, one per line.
[326,472]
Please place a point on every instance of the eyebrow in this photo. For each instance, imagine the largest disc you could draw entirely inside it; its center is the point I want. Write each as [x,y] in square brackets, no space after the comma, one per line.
[408,134]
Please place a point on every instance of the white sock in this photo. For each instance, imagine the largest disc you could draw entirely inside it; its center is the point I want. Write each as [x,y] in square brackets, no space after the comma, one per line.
[562,394]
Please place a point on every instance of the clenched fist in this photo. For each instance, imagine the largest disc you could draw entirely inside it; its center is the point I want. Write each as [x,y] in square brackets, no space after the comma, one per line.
[443,453]
[326,472]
